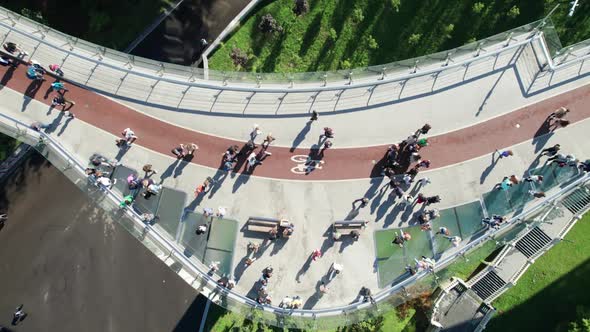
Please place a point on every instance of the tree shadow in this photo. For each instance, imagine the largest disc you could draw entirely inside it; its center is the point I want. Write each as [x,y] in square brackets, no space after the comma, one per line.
[313,29]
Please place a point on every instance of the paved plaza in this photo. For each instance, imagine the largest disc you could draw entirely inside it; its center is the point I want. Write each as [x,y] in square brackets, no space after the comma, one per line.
[471,119]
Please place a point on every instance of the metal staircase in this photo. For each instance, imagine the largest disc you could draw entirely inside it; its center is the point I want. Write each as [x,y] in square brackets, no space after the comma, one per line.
[578,200]
[488,285]
[532,242]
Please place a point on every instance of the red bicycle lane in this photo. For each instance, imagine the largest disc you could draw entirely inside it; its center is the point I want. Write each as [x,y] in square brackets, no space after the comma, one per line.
[285,163]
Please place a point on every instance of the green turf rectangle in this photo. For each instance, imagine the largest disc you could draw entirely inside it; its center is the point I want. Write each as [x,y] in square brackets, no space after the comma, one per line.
[383,246]
[469,216]
[448,219]
[223,234]
[419,245]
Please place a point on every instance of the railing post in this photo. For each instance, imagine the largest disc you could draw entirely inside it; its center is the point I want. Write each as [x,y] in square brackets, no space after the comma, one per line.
[479,48]
[448,59]
[325,77]
[415,67]
[130,61]
[382,73]
[160,71]
[350,78]
[258,81]
[509,39]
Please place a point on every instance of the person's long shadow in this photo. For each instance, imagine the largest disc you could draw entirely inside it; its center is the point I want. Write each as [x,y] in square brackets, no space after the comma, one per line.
[345,241]
[122,151]
[489,169]
[241,159]
[542,135]
[7,76]
[218,179]
[30,93]
[65,125]
[278,245]
[303,269]
[300,136]
[183,163]
[315,298]
[393,215]
[54,124]
[241,180]
[382,210]
[314,158]
[168,171]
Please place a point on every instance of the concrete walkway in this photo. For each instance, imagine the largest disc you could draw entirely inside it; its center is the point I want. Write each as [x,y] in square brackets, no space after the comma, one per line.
[311,205]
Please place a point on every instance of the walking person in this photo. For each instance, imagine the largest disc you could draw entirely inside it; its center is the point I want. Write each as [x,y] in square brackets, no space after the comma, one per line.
[558,114]
[253,135]
[19,315]
[537,194]
[364,201]
[179,151]
[504,154]
[128,137]
[407,200]
[149,170]
[534,178]
[423,182]
[314,116]
[316,254]
[328,133]
[551,151]
[267,141]
[423,131]
[327,145]
[56,69]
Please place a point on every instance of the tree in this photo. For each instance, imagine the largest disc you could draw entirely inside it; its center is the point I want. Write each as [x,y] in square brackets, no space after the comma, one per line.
[395,4]
[372,43]
[268,24]
[239,57]
[301,7]
[478,7]
[448,30]
[414,39]
[513,12]
[333,35]
[357,15]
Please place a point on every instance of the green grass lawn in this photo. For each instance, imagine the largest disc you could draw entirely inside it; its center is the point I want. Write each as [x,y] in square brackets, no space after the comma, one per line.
[340,34]
[109,23]
[547,296]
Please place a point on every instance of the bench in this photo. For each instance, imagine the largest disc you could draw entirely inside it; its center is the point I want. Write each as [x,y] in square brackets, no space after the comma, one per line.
[347,226]
[259,224]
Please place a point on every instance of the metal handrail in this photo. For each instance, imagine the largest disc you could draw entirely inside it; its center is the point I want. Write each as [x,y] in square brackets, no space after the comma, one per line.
[256,88]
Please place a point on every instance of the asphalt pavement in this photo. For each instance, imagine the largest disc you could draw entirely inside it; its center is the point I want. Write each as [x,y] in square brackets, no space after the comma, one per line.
[74,269]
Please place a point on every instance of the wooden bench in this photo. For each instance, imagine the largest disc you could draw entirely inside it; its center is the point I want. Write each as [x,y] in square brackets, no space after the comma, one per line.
[263,225]
[347,226]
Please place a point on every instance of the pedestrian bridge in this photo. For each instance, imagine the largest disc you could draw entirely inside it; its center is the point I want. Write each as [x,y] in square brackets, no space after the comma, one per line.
[542,68]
